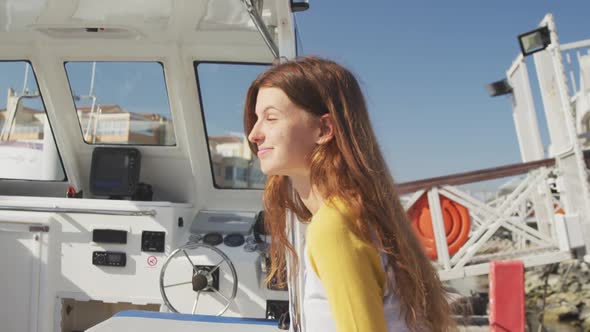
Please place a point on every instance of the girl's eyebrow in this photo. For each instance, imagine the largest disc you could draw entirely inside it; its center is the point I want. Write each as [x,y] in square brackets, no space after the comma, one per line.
[268,108]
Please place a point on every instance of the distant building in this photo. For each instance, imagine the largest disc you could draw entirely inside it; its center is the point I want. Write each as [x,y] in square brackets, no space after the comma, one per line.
[113,124]
[107,124]
[27,125]
[233,163]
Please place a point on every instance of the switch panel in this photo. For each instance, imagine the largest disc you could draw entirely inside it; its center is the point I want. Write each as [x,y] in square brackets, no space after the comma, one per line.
[153,241]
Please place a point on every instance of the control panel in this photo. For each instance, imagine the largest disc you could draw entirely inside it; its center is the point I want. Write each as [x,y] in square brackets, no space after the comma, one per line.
[109,258]
[153,241]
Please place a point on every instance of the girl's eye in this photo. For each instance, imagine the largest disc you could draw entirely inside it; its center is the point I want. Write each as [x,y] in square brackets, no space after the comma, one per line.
[270,118]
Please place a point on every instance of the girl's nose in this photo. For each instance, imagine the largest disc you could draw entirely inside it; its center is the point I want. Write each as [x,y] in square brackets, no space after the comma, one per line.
[255,135]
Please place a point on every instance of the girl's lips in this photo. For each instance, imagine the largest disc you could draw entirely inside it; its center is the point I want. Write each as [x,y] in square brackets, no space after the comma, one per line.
[264,151]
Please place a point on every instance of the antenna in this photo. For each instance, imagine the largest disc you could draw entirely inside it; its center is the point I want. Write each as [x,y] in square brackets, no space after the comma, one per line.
[90,93]
[25,81]
[91,114]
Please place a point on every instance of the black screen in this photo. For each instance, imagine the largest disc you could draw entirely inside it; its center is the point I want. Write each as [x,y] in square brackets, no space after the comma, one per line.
[109,236]
[115,171]
[114,258]
[111,171]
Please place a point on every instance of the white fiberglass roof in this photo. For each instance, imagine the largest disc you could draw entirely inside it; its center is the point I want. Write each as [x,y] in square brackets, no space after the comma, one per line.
[152,19]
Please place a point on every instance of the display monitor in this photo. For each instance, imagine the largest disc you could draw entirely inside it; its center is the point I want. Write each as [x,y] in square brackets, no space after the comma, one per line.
[114,171]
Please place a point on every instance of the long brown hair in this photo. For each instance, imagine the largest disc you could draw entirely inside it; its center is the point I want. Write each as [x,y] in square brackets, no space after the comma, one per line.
[350,166]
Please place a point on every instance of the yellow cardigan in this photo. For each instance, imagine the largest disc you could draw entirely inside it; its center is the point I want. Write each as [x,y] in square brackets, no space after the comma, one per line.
[349,269]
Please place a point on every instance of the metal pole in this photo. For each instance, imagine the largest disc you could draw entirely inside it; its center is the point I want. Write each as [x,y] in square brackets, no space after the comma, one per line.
[257,20]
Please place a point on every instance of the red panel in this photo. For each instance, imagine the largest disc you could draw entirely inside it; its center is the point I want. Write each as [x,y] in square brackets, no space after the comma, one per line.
[507,306]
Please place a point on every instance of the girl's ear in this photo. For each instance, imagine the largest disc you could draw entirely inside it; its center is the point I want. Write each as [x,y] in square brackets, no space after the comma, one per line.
[326,129]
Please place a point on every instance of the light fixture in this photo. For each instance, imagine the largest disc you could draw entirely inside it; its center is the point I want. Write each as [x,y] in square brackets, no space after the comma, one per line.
[534,41]
[499,88]
[299,6]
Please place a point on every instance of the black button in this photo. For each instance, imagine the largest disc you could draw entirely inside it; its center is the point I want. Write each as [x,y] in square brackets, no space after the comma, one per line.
[234,240]
[212,239]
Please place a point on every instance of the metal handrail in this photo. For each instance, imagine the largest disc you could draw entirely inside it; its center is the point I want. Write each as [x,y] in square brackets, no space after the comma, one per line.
[473,176]
[132,213]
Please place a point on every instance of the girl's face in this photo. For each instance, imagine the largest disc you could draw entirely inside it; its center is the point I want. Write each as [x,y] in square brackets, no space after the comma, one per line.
[284,133]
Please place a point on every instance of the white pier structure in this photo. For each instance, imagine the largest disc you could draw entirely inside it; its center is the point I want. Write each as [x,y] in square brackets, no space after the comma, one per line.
[543,215]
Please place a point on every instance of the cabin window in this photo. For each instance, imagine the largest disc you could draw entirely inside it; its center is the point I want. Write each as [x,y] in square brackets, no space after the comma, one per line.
[121,102]
[27,147]
[222,90]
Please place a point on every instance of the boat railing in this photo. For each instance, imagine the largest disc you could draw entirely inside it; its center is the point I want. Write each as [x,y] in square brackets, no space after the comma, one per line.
[521,221]
[573,55]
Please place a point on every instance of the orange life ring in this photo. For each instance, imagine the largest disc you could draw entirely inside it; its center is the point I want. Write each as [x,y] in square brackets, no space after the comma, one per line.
[556,210]
[456,219]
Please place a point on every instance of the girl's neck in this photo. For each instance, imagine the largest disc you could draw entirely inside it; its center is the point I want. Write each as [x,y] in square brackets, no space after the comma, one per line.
[309,195]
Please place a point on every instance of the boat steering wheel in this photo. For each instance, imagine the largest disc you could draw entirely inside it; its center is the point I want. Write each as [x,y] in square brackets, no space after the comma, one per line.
[202,279]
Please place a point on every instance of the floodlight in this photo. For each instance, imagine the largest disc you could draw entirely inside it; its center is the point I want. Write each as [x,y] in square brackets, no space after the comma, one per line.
[534,41]
[499,88]
[299,6]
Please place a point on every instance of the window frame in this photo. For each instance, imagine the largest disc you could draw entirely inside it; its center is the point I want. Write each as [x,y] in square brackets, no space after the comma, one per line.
[160,146]
[61,162]
[196,64]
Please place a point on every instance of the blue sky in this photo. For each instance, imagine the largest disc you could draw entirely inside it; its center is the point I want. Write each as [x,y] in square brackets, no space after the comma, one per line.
[424,66]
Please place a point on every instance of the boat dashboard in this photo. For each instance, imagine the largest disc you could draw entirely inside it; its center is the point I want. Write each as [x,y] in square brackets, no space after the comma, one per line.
[101,253]
[126,180]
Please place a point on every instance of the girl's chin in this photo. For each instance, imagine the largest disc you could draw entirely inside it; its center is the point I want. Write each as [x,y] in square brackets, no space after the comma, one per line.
[270,171]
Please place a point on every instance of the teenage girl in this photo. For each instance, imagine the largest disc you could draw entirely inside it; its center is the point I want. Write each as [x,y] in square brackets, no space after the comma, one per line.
[307,122]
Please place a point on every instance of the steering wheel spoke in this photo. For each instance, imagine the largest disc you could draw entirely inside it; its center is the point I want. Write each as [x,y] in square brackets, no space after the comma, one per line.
[190,260]
[216,266]
[223,296]
[178,284]
[196,301]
